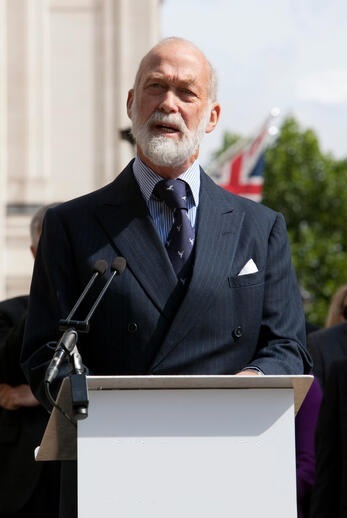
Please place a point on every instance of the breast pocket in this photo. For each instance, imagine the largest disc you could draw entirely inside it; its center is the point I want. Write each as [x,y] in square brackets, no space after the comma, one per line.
[249,280]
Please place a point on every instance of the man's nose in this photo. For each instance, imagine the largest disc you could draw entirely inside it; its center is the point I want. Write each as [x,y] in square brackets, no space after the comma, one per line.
[169,102]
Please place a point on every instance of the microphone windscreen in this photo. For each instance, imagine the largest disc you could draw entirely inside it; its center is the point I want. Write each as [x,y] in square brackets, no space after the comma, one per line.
[119,264]
[100,266]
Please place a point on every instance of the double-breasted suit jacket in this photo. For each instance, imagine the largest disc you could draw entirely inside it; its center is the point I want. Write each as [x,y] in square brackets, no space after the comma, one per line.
[146,324]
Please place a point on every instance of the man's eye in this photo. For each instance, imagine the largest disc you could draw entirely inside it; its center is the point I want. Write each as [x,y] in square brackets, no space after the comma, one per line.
[186,93]
[156,86]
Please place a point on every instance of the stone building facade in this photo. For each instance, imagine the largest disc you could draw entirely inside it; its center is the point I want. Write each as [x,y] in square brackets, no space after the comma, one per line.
[65,69]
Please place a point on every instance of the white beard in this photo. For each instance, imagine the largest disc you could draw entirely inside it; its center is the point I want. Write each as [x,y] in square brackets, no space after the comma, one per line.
[166,151]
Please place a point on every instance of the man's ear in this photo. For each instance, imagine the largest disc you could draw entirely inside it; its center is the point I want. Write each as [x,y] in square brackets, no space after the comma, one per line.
[214,117]
[130,101]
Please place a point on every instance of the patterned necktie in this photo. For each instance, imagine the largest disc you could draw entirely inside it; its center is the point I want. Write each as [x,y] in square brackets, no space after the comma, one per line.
[180,240]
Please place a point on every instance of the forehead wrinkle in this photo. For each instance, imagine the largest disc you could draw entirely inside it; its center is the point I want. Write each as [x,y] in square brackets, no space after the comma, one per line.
[180,55]
[176,78]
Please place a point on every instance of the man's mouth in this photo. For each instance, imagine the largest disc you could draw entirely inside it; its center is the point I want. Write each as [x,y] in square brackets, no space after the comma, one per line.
[165,128]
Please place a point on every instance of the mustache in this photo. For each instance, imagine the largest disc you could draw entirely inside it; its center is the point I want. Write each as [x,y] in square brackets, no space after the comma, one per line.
[175,119]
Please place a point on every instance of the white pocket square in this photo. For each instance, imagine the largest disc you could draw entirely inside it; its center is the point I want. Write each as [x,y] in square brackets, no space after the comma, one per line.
[250,267]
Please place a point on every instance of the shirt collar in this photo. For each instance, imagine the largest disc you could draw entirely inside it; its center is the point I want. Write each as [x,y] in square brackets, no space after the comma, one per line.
[147,179]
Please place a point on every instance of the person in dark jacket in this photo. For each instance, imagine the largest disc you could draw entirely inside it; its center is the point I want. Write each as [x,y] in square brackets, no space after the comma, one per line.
[27,487]
[329,498]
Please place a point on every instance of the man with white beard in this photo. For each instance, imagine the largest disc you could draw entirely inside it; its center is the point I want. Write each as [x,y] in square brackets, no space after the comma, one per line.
[208,287]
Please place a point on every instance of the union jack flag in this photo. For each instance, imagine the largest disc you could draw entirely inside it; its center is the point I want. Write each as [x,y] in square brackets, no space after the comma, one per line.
[240,169]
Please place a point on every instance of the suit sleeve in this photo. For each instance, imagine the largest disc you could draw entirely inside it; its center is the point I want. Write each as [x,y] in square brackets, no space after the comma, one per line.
[50,294]
[282,339]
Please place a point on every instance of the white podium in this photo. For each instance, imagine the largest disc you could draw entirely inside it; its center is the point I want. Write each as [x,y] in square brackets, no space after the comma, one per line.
[183,446]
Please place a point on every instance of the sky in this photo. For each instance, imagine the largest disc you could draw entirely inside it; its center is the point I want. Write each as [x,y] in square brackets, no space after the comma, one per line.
[289,54]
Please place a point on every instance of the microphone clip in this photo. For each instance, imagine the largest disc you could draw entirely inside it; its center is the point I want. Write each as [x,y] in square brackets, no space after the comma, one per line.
[81,326]
[64,347]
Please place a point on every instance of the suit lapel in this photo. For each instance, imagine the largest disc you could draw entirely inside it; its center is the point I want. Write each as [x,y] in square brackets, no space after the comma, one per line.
[218,230]
[125,218]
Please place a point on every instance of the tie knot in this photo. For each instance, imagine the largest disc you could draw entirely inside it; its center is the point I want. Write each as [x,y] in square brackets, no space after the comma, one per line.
[173,192]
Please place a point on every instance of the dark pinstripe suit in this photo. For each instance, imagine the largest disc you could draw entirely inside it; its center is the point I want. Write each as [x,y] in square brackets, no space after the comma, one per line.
[225,321]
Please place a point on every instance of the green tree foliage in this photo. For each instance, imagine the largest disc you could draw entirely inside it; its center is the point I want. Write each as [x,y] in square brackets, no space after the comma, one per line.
[310,189]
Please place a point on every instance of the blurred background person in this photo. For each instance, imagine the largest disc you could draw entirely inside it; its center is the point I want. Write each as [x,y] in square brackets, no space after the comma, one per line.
[330,344]
[337,313]
[329,497]
[27,488]
[328,348]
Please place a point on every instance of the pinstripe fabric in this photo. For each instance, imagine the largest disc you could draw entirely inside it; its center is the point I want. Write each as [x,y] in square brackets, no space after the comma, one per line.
[224,322]
[161,214]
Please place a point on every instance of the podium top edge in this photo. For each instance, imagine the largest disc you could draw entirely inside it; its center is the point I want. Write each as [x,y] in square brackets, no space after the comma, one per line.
[198,382]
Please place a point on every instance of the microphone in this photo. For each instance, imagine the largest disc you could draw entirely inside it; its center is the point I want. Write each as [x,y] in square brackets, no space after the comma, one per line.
[65,346]
[78,383]
[68,340]
[117,267]
[78,387]
[99,268]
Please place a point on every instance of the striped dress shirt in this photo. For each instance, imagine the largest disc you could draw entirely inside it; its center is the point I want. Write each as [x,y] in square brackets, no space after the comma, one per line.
[161,214]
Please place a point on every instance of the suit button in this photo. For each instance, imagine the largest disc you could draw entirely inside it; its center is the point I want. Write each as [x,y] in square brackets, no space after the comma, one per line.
[237,333]
[132,328]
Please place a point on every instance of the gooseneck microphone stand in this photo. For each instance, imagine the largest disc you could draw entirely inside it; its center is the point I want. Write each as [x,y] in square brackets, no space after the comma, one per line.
[67,345]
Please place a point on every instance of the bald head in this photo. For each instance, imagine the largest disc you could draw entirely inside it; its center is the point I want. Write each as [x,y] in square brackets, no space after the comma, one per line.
[172,105]
[174,44]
